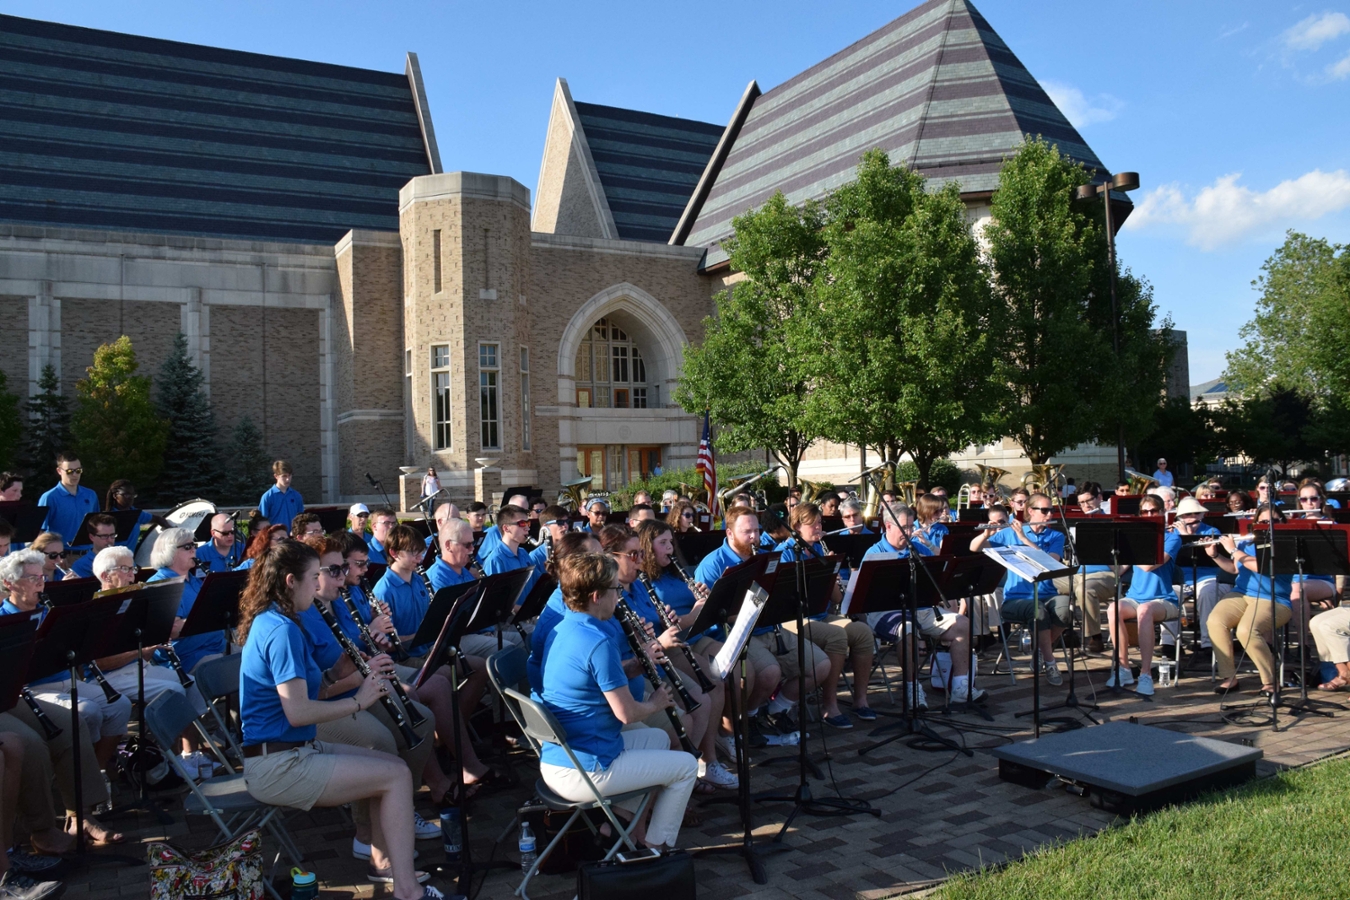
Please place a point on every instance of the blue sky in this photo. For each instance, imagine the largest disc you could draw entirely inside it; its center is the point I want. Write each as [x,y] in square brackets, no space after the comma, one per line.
[1233,112]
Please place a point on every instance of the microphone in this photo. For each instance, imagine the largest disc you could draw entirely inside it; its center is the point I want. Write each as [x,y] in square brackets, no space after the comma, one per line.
[371,479]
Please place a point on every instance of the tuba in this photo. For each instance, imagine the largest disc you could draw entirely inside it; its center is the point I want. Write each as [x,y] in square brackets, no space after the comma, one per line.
[1139,482]
[571,494]
[740,484]
[812,491]
[989,477]
[1044,478]
[908,492]
[873,483]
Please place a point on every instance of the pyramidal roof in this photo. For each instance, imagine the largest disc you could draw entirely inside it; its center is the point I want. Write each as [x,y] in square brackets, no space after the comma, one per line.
[937,89]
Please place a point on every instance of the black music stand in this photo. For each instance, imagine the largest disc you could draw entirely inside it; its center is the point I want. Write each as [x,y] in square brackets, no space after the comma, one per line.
[851,547]
[70,591]
[1071,700]
[1117,543]
[16,648]
[480,605]
[967,578]
[976,514]
[26,519]
[1194,558]
[535,601]
[126,521]
[692,546]
[66,641]
[217,605]
[1321,551]
[144,618]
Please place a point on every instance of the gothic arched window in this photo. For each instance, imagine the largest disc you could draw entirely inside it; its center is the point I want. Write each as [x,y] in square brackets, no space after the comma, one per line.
[610,372]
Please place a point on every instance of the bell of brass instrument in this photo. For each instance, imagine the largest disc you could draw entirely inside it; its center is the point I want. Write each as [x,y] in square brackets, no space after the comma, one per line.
[573,494]
[989,478]
[908,492]
[873,483]
[1139,482]
[1044,478]
[812,491]
[740,484]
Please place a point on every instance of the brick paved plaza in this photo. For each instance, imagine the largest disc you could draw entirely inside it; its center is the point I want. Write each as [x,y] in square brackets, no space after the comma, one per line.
[953,814]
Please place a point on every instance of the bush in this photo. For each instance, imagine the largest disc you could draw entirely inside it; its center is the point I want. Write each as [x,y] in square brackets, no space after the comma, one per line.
[945,474]
[670,481]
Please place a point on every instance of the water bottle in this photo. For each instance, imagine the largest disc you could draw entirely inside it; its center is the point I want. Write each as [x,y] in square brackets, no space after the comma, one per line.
[526,847]
[304,885]
[451,834]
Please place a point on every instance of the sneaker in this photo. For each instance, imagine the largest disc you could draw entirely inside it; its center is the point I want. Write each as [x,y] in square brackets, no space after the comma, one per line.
[431,893]
[866,713]
[969,694]
[923,698]
[424,830]
[31,863]
[1052,674]
[14,886]
[841,721]
[1144,685]
[362,851]
[1126,678]
[727,744]
[199,766]
[719,775]
[790,739]
[386,876]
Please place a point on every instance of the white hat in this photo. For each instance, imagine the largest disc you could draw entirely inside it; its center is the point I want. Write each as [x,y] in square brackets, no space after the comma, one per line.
[1190,506]
[358,508]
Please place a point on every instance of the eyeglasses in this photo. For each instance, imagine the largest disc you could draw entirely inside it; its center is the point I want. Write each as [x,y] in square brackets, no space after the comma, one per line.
[468,544]
[616,588]
[634,555]
[1311,499]
[125,570]
[1041,509]
[104,537]
[188,546]
[33,578]
[79,471]
[362,516]
[358,564]
[334,571]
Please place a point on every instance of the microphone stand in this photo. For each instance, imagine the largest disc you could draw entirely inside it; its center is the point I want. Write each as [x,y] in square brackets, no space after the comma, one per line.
[379,486]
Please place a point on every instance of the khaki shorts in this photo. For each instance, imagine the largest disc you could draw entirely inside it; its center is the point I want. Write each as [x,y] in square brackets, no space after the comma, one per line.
[762,647]
[294,778]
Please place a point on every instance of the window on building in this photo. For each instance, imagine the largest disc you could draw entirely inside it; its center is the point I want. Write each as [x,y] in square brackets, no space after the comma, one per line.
[441,417]
[610,371]
[489,382]
[525,398]
[436,260]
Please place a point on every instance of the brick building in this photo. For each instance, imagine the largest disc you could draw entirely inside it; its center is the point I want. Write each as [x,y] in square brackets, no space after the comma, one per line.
[371,311]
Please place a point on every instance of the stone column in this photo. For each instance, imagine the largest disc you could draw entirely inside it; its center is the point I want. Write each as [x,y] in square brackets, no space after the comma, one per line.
[44,334]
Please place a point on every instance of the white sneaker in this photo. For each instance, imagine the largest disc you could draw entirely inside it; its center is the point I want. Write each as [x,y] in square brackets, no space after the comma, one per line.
[424,830]
[1145,685]
[1126,678]
[1052,674]
[909,695]
[727,744]
[719,775]
[199,766]
[964,692]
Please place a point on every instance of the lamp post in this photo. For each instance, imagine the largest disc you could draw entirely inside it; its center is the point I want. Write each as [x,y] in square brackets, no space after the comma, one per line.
[1123,181]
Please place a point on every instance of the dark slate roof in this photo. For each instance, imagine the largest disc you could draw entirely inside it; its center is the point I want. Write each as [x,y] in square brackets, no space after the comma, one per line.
[107,130]
[648,165]
[937,89]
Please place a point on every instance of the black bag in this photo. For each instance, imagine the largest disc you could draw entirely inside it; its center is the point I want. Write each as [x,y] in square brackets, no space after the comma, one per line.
[578,844]
[669,876]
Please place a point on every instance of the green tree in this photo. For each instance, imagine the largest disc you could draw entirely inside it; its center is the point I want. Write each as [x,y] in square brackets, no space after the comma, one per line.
[1064,383]
[48,431]
[1180,433]
[745,372]
[191,461]
[898,347]
[11,426]
[248,468]
[1268,429]
[116,431]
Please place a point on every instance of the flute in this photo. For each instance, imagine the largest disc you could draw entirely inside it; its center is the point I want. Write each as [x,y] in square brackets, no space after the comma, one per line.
[345,593]
[667,623]
[400,720]
[632,629]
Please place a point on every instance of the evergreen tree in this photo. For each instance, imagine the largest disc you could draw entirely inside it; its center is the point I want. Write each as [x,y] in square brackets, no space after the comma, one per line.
[11,426]
[48,432]
[248,469]
[191,463]
[116,431]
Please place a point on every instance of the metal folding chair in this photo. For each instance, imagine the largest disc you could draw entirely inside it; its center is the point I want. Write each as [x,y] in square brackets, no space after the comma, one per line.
[216,679]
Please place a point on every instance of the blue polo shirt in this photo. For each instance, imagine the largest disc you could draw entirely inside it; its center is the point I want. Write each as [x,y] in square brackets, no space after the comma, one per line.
[221,562]
[788,553]
[276,652]
[407,602]
[711,567]
[1048,541]
[554,611]
[1195,575]
[934,534]
[375,551]
[501,559]
[675,593]
[344,618]
[583,665]
[190,650]
[1258,586]
[1157,584]
[281,507]
[84,566]
[65,511]
[443,576]
[134,537]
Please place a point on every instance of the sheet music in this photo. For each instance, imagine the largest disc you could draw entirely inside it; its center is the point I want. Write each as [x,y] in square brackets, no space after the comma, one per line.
[853,579]
[1027,563]
[726,658]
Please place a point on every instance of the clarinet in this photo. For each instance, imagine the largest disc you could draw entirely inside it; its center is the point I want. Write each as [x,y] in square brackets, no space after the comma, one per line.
[400,720]
[109,691]
[632,629]
[414,717]
[177,665]
[50,727]
[378,605]
[667,623]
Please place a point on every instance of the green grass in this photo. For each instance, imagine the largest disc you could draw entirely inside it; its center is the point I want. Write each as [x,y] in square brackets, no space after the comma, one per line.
[1281,837]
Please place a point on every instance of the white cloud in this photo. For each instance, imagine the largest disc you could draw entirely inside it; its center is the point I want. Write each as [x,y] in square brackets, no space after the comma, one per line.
[1229,32]
[1226,212]
[1077,108]
[1339,71]
[1316,30]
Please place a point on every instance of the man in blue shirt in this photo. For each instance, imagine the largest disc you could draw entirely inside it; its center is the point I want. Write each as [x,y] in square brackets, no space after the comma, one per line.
[1094,586]
[452,568]
[224,551]
[280,504]
[102,533]
[67,504]
[1019,597]
[382,521]
[514,525]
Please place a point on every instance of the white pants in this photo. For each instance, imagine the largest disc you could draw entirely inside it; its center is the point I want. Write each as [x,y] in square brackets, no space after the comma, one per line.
[638,766]
[101,718]
[158,680]
[1331,631]
[1206,597]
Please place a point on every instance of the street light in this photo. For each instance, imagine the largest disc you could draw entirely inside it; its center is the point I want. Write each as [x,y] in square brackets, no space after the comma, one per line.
[1123,181]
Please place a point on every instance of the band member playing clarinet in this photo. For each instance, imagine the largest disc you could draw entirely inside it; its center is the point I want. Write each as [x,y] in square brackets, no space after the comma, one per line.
[401,588]
[586,688]
[279,690]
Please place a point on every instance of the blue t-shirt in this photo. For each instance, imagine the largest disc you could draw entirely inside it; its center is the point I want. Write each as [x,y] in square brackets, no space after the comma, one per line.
[407,602]
[191,650]
[492,539]
[276,652]
[322,645]
[84,566]
[281,507]
[1047,541]
[675,593]
[65,511]
[712,566]
[1157,584]
[583,664]
[884,546]
[554,611]
[221,562]
[501,559]
[375,551]
[1258,586]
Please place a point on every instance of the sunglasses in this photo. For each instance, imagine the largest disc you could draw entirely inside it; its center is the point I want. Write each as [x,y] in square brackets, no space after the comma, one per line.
[362,515]
[687,515]
[634,555]
[1041,509]
[230,533]
[334,571]
[191,546]
[55,554]
[359,564]
[73,471]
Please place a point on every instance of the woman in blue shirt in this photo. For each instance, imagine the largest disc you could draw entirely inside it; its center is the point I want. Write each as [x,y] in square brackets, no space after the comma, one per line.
[1248,610]
[279,685]
[121,497]
[1150,599]
[586,689]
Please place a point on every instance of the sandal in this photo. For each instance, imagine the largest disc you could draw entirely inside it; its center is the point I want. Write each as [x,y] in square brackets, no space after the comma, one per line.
[109,837]
[1336,684]
[704,787]
[691,818]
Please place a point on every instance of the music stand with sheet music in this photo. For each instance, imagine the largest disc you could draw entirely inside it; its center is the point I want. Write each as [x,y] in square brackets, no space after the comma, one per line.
[692,546]
[851,547]
[1115,543]
[70,591]
[535,600]
[217,605]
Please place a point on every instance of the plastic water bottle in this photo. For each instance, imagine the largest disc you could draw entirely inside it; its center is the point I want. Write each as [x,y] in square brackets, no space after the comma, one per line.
[451,834]
[526,847]
[304,885]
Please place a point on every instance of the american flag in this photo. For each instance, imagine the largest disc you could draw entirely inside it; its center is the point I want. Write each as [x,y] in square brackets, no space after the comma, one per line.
[707,464]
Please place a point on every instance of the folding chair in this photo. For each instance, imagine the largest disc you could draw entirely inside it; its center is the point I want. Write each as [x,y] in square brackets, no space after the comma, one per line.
[225,799]
[215,679]
[540,726]
[506,669]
